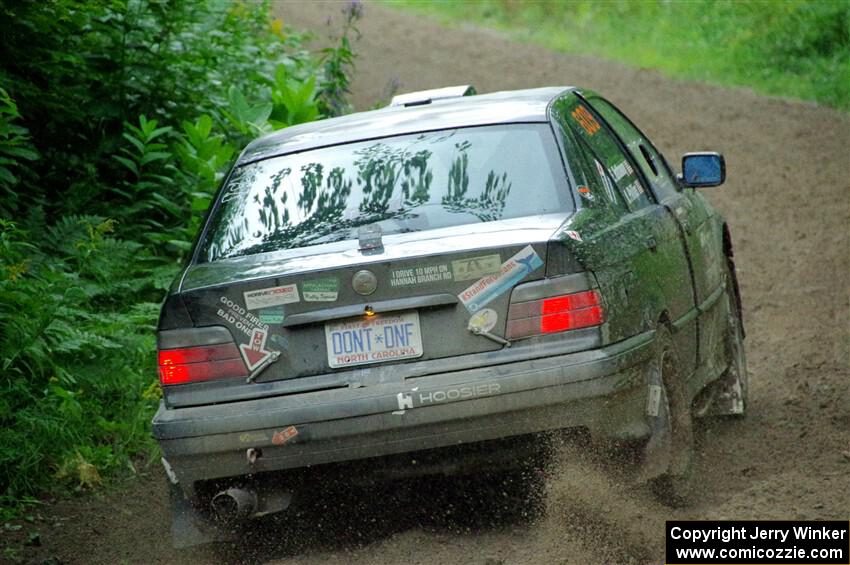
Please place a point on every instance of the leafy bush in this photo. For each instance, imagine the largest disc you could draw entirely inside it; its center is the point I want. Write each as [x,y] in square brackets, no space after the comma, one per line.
[118,121]
[76,357]
[15,148]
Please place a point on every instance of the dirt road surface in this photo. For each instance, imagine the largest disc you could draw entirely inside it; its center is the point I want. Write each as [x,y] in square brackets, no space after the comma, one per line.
[787,199]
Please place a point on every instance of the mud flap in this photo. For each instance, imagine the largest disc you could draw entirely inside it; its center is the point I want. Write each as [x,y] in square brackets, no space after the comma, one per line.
[725,397]
[187,527]
[657,453]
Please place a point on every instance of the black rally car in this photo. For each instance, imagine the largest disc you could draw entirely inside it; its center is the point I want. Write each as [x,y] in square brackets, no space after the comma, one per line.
[449,270]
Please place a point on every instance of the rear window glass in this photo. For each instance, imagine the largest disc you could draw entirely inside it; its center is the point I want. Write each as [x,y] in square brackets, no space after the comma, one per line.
[407,183]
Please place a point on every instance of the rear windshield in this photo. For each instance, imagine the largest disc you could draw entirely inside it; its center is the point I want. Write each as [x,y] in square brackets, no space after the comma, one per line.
[403,184]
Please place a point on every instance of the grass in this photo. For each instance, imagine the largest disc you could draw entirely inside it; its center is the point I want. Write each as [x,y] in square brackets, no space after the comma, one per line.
[792,48]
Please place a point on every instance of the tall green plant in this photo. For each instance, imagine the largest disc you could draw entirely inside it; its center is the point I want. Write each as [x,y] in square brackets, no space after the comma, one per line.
[135,110]
[338,62]
[15,149]
[74,353]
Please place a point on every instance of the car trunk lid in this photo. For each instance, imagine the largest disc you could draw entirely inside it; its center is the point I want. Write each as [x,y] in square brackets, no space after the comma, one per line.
[283,308]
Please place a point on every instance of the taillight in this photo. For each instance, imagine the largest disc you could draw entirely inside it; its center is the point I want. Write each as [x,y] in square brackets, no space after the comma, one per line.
[201,363]
[555,314]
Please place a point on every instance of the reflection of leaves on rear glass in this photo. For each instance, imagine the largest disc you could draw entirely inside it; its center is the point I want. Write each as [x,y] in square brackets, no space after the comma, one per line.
[490,204]
[380,169]
[458,179]
[234,202]
[334,198]
[377,172]
[321,207]
[409,183]
[311,181]
[416,184]
[270,216]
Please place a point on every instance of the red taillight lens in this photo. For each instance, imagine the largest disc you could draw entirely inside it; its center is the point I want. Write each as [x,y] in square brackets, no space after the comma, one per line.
[203,363]
[584,318]
[558,304]
[555,314]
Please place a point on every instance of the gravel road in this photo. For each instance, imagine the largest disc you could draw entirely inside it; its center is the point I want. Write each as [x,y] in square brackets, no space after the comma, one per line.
[787,199]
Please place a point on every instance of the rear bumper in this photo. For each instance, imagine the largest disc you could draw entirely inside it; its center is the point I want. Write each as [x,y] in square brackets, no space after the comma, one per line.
[602,390]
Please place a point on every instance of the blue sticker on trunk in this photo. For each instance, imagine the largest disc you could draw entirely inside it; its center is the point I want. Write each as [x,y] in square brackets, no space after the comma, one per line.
[486,289]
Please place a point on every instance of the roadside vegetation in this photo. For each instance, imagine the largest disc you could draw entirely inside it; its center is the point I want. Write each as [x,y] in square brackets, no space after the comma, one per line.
[795,48]
[118,120]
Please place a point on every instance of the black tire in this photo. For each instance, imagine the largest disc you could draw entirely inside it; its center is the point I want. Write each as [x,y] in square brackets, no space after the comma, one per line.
[675,485]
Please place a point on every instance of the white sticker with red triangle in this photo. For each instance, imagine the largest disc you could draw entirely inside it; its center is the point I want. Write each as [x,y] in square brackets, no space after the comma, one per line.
[254,352]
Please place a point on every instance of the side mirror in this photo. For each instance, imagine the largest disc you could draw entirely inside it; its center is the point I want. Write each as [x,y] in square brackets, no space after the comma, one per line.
[703,169]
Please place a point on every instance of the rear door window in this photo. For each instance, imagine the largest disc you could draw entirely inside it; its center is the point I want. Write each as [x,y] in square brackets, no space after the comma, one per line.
[613,164]
[595,186]
[403,184]
[650,161]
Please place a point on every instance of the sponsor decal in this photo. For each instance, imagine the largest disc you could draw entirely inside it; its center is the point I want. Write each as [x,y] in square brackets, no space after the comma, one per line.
[458,393]
[272,315]
[606,180]
[653,401]
[484,320]
[510,273]
[408,400]
[573,235]
[585,193]
[236,191]
[272,296]
[633,191]
[405,401]
[235,315]
[252,437]
[420,275]
[586,120]
[320,290]
[621,170]
[475,267]
[284,435]
[255,352]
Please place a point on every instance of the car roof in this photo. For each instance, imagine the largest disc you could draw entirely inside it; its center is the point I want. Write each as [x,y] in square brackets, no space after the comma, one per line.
[511,106]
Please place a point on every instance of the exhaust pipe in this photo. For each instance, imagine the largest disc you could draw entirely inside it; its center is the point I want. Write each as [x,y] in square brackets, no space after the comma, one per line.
[234,505]
[237,504]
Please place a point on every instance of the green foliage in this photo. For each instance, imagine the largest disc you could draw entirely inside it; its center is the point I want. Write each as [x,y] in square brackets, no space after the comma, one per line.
[249,119]
[293,102]
[797,48]
[15,146]
[118,122]
[75,356]
[338,62]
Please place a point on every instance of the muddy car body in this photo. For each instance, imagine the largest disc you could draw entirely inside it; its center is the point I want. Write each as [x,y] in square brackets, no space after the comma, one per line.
[450,270]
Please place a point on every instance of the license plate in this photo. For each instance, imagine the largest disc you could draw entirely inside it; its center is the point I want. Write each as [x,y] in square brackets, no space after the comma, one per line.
[373,339]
